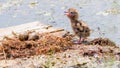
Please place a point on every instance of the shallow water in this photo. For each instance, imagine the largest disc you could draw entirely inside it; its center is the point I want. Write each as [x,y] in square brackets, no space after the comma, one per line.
[103,14]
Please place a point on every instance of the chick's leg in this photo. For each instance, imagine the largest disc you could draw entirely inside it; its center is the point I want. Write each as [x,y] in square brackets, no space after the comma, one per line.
[81,39]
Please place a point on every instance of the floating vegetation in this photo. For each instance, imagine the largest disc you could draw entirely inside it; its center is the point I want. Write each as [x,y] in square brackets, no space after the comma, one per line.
[33,4]
[113,11]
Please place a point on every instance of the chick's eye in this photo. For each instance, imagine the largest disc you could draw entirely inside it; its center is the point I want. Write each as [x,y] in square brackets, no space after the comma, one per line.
[72,12]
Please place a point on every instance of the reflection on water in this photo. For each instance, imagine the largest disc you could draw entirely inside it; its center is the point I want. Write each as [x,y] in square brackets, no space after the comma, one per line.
[103,14]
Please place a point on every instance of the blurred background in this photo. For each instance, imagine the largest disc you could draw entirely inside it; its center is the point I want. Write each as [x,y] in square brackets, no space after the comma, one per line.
[103,16]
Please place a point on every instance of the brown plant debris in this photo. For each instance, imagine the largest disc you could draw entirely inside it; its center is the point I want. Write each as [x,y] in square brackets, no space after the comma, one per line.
[44,43]
[33,43]
[102,42]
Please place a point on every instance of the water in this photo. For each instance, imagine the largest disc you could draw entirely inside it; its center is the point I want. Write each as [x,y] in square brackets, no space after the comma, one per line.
[103,14]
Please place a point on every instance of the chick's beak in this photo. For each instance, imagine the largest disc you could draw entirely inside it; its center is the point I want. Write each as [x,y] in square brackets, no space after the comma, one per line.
[66,13]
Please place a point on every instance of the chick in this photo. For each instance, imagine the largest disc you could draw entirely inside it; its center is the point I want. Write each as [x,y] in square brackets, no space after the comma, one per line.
[79,27]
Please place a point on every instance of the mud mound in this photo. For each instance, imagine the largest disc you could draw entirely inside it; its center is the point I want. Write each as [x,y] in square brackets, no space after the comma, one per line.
[102,42]
[46,44]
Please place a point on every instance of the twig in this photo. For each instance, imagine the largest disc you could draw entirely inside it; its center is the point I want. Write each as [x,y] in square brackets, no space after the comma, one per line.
[56,31]
[47,27]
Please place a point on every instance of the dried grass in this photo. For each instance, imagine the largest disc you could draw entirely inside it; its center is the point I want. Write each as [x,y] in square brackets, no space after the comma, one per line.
[46,44]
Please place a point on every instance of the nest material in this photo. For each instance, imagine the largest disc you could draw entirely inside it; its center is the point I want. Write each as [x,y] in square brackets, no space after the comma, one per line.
[46,44]
[102,42]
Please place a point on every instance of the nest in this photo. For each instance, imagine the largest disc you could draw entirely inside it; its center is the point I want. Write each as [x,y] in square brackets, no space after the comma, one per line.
[30,44]
[46,44]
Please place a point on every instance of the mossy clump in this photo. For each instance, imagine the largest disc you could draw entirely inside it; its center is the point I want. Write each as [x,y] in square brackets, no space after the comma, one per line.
[102,42]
